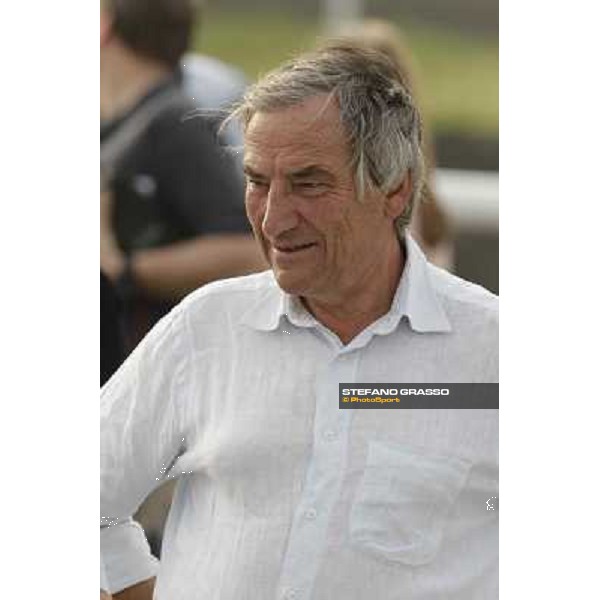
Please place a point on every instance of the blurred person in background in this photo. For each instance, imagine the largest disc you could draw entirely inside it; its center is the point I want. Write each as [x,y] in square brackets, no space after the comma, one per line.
[430,225]
[172,216]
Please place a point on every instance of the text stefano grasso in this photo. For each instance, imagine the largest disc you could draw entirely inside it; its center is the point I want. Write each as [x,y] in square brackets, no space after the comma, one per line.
[396,392]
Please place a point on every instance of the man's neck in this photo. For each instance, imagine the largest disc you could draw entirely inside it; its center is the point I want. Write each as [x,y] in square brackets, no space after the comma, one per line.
[124,80]
[357,308]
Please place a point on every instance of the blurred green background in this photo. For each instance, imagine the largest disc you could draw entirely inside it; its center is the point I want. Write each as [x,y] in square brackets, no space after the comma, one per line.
[458,72]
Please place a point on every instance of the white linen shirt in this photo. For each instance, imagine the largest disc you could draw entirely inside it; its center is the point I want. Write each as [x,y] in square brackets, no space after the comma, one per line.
[282,495]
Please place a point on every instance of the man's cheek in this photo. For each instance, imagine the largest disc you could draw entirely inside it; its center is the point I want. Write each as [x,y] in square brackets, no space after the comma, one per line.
[255,217]
[264,245]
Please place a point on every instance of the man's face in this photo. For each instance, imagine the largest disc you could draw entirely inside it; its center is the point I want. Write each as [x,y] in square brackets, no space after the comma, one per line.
[301,201]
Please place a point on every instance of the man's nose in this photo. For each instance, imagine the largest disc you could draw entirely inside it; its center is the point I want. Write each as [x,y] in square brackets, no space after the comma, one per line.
[280,215]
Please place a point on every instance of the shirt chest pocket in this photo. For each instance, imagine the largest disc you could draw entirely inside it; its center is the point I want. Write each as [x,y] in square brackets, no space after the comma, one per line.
[403,501]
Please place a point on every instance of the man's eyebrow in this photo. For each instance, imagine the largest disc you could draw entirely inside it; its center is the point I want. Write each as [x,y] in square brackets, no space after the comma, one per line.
[248,170]
[311,171]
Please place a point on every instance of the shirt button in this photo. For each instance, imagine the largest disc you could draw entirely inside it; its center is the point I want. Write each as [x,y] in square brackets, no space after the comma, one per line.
[310,514]
[330,435]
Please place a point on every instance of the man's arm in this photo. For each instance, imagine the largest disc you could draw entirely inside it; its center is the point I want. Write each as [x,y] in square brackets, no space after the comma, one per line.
[141,432]
[175,270]
[171,272]
[112,258]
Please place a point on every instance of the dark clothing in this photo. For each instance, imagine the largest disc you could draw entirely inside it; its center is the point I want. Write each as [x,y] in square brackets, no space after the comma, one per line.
[175,182]
[172,182]
[112,352]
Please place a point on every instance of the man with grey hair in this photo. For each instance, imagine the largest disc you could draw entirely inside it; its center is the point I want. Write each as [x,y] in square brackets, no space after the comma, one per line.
[280,494]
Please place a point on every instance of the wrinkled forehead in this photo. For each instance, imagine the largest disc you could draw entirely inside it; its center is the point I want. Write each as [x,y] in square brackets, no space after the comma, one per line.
[310,129]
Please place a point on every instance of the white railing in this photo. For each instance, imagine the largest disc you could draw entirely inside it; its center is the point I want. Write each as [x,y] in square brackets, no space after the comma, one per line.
[470,198]
[336,14]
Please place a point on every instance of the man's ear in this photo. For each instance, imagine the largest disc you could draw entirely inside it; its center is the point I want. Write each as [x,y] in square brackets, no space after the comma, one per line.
[397,200]
[106,27]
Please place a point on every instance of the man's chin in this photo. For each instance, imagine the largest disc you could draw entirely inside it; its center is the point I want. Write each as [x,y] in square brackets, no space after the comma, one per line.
[291,284]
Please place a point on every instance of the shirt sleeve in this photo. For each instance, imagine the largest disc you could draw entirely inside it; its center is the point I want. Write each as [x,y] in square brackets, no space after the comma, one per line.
[141,435]
[200,180]
[104,585]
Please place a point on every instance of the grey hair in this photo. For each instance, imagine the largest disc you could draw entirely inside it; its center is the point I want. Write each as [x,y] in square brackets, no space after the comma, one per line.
[381,121]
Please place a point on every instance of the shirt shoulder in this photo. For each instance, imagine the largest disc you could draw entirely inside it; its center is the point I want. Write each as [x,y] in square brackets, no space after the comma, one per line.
[473,311]
[462,297]
[212,82]
[230,297]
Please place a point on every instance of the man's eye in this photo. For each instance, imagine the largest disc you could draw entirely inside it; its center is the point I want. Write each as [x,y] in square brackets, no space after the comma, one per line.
[311,187]
[256,182]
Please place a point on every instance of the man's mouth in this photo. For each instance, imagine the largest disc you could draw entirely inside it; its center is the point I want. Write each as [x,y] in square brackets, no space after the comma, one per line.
[290,249]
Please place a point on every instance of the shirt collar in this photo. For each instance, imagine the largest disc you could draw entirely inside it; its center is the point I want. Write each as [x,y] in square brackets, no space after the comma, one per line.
[415,298]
